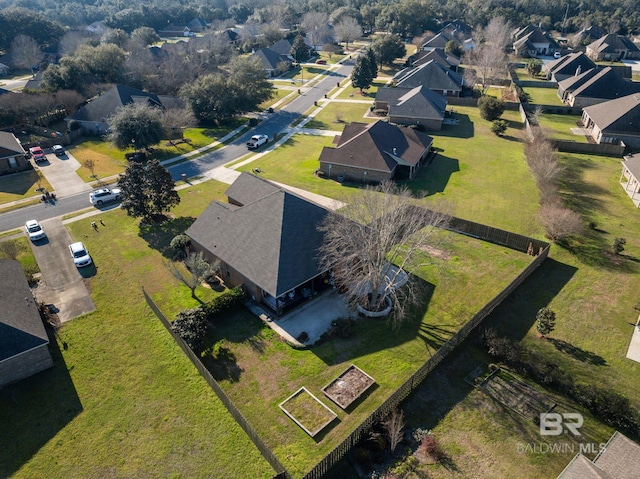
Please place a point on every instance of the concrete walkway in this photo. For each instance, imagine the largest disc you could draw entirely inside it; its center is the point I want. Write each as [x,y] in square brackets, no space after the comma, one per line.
[633,352]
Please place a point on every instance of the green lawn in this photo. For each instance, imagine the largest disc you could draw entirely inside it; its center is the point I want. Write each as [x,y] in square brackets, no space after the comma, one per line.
[336,114]
[111,161]
[354,93]
[19,186]
[560,126]
[461,276]
[543,96]
[122,399]
[278,94]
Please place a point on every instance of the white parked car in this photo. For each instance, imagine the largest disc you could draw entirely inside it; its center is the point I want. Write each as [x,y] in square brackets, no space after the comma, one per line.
[34,230]
[79,254]
[557,55]
[104,195]
[58,150]
[257,141]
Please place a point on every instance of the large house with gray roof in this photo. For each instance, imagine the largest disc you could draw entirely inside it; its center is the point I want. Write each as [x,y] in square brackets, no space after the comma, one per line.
[412,106]
[570,65]
[95,114]
[432,75]
[375,153]
[267,240]
[595,86]
[12,156]
[613,47]
[533,41]
[24,344]
[614,121]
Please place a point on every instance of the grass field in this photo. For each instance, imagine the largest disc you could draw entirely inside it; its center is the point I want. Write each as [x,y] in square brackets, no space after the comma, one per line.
[559,127]
[370,94]
[543,96]
[336,114]
[19,186]
[122,399]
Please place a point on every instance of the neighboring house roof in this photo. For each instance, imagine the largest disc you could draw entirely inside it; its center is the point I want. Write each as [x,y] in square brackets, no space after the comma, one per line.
[590,34]
[245,189]
[439,41]
[100,109]
[612,43]
[620,459]
[35,82]
[282,47]
[269,59]
[602,83]
[632,162]
[9,145]
[197,23]
[457,25]
[438,55]
[21,328]
[377,146]
[4,67]
[272,241]
[527,37]
[621,115]
[418,102]
[432,75]
[569,65]
[4,91]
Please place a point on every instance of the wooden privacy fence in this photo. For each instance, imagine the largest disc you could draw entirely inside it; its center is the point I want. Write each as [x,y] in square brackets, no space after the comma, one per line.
[281,472]
[505,238]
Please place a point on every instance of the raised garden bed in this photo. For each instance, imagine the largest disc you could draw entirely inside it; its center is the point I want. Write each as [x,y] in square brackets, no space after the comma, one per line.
[348,387]
[307,411]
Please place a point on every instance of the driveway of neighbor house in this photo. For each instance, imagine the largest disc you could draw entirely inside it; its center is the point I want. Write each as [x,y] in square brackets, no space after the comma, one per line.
[60,172]
[62,284]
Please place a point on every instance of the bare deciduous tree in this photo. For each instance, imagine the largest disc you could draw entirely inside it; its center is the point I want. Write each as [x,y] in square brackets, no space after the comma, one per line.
[26,52]
[489,58]
[347,30]
[394,426]
[316,26]
[175,120]
[543,163]
[194,272]
[559,222]
[372,244]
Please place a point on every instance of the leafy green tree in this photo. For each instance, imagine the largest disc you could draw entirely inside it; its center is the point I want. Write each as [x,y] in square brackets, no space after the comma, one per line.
[299,49]
[136,124]
[105,61]
[191,325]
[491,108]
[373,62]
[453,48]
[146,35]
[534,66]
[498,127]
[361,73]
[387,48]
[545,321]
[17,20]
[147,190]
[118,37]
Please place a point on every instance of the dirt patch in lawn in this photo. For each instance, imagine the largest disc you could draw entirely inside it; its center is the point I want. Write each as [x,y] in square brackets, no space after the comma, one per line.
[436,252]
[348,387]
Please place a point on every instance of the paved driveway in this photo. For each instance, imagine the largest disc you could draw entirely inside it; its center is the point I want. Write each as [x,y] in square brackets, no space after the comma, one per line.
[62,284]
[61,173]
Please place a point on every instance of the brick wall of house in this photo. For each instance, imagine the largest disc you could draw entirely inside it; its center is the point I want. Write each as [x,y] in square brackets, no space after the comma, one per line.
[24,365]
[351,173]
[22,164]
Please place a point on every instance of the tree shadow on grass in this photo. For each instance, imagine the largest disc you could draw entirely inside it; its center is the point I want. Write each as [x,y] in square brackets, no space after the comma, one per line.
[593,249]
[434,177]
[578,353]
[580,195]
[464,129]
[159,235]
[31,417]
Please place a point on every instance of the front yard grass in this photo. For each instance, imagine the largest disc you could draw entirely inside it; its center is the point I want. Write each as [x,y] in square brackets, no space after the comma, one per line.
[559,127]
[335,115]
[351,93]
[122,399]
[19,186]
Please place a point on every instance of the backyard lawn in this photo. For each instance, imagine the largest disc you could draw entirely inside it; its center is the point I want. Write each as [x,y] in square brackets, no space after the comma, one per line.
[122,399]
[559,127]
[543,96]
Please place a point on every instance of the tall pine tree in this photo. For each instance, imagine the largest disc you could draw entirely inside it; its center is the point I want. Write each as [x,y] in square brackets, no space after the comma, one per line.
[361,76]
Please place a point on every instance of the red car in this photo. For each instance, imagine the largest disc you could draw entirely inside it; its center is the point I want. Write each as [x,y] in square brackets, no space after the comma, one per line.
[37,154]
[321,62]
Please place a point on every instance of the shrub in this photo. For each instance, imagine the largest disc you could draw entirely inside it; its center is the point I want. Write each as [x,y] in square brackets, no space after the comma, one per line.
[179,245]
[430,446]
[225,302]
[545,321]
[491,108]
[559,222]
[191,326]
[499,127]
[618,245]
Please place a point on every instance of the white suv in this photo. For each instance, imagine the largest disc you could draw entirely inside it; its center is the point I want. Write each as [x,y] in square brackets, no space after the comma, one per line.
[79,254]
[257,141]
[104,195]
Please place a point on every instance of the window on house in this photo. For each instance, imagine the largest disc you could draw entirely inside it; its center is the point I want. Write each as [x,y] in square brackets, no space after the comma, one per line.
[228,272]
[13,163]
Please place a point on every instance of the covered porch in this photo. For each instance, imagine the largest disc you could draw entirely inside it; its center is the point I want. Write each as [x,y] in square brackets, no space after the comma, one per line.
[629,178]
